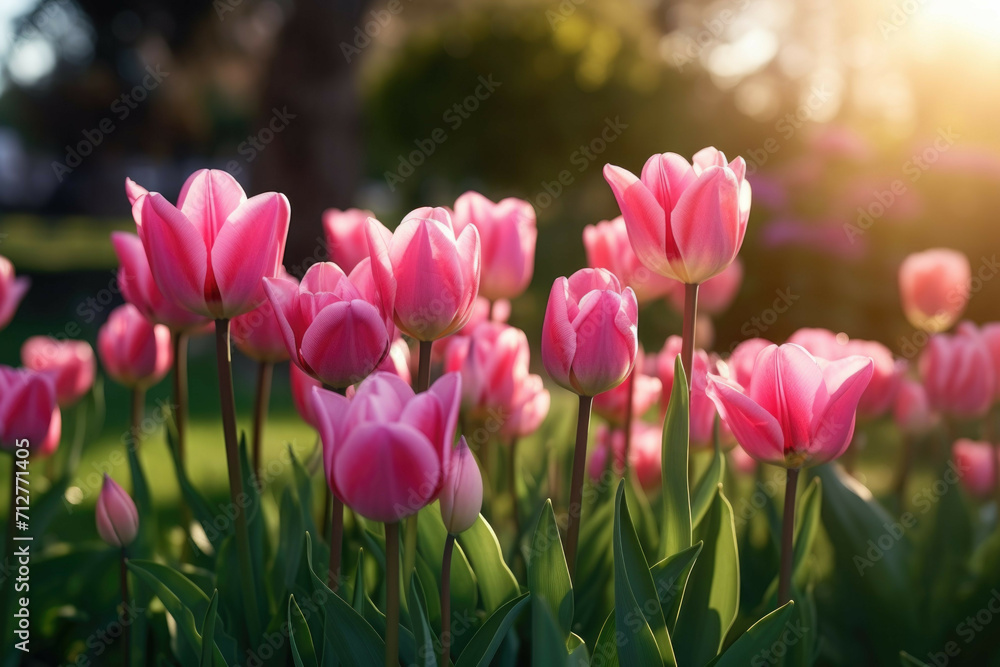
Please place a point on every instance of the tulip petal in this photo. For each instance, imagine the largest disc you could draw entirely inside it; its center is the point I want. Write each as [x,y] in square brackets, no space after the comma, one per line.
[705,224]
[645,220]
[381,265]
[133,190]
[177,255]
[282,296]
[755,429]
[330,409]
[558,335]
[846,380]
[208,198]
[604,352]
[345,342]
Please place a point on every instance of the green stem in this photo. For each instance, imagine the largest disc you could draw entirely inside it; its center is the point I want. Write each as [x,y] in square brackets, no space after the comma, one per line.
[424,366]
[336,543]
[409,550]
[392,594]
[126,640]
[449,546]
[576,490]
[265,371]
[180,391]
[629,399]
[787,534]
[688,330]
[135,423]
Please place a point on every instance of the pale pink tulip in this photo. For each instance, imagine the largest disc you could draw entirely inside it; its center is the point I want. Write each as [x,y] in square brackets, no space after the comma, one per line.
[345,236]
[117,517]
[644,454]
[976,463]
[528,408]
[398,361]
[608,248]
[991,336]
[686,222]
[12,290]
[209,253]
[957,372]
[611,405]
[134,351]
[741,360]
[462,494]
[70,363]
[492,362]
[258,334]
[934,287]
[28,411]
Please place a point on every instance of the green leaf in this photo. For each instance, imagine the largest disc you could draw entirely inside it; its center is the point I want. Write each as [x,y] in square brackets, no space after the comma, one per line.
[578,656]
[431,535]
[907,660]
[208,632]
[497,583]
[675,533]
[606,647]
[761,636]
[704,491]
[425,651]
[712,597]
[636,602]
[200,509]
[670,577]
[548,573]
[806,528]
[548,641]
[303,650]
[484,644]
[255,527]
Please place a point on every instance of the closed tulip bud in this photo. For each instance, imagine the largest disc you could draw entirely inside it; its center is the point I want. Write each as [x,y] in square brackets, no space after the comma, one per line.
[589,336]
[934,287]
[685,221]
[258,334]
[645,390]
[809,425]
[28,411]
[957,372]
[134,352]
[462,494]
[507,234]
[209,253]
[608,248]
[330,330]
[386,450]
[345,236]
[427,277]
[70,364]
[302,385]
[117,517]
[12,290]
[912,410]
[976,464]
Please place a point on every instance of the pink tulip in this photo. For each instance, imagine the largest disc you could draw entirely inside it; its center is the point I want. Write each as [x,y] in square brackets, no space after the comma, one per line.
[608,248]
[302,385]
[117,517]
[483,310]
[528,409]
[742,359]
[70,363]
[398,361]
[644,453]
[258,334]
[329,329]
[138,287]
[589,336]
[209,253]
[134,351]
[28,411]
[685,221]
[741,461]
[702,409]
[386,450]
[934,287]
[12,290]
[976,463]
[507,233]
[991,336]
[345,236]
[492,362]
[428,278]
[912,410]
[611,405]
[462,494]
[798,411]
[716,294]
[957,372]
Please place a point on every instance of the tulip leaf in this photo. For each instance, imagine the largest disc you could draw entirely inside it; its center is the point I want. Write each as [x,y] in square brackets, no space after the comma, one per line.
[675,533]
[483,646]
[208,632]
[606,646]
[670,576]
[704,491]
[200,509]
[762,635]
[712,596]
[578,656]
[548,573]
[548,641]
[806,527]
[288,557]
[648,641]
[421,627]
[303,650]
[497,583]
[907,660]
[255,526]
[431,535]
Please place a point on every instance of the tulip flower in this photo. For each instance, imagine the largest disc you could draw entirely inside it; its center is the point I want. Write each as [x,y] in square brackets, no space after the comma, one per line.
[934,288]
[28,411]
[70,363]
[741,360]
[117,517]
[302,385]
[492,362]
[702,415]
[507,233]
[644,453]
[957,372]
[329,330]
[12,290]
[991,336]
[483,310]
[797,411]
[976,463]
[646,391]
[209,253]
[398,361]
[528,409]
[134,352]
[345,236]
[608,247]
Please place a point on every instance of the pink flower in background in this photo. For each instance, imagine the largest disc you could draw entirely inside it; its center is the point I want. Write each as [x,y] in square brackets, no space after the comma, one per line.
[934,288]
[976,463]
[911,409]
[741,360]
[797,411]
[116,515]
[462,494]
[28,411]
[135,279]
[957,372]
[483,310]
[302,385]
[702,409]
[329,329]
[134,352]
[644,453]
[507,233]
[686,222]
[589,336]
[715,294]
[492,362]
[608,248]
[345,236]
[70,363]
[12,290]
[528,409]
[991,336]
[398,361]
[428,278]
[611,405]
[209,253]
[386,451]
[258,334]
[741,461]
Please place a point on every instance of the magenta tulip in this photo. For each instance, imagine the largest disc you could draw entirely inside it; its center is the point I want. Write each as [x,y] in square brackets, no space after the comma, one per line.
[28,411]
[12,290]
[507,233]
[427,277]
[645,389]
[209,253]
[934,287]
[798,411]
[608,247]
[258,334]
[976,463]
[957,372]
[329,329]
[117,517]
[589,340]
[386,450]
[134,352]
[462,493]
[70,363]
[345,236]
[684,221]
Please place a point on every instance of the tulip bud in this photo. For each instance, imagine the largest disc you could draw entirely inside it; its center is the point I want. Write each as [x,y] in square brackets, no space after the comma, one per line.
[28,411]
[608,248]
[957,372]
[12,290]
[70,363]
[462,495]
[507,235]
[345,236]
[117,518]
[133,351]
[976,463]
[934,287]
